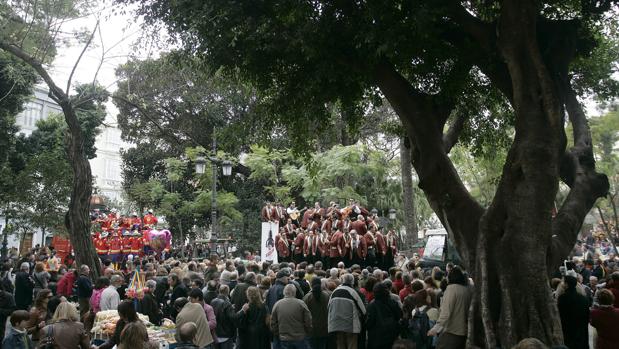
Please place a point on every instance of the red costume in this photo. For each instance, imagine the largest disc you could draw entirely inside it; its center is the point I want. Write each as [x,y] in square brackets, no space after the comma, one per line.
[126,247]
[269,214]
[310,245]
[282,245]
[101,246]
[298,244]
[359,226]
[335,249]
[136,245]
[115,245]
[381,244]
[362,248]
[150,220]
[391,240]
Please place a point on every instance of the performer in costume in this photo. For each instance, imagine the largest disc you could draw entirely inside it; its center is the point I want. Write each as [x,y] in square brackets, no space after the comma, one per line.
[282,244]
[310,247]
[280,213]
[370,241]
[324,244]
[359,225]
[101,245]
[345,243]
[381,248]
[126,245]
[293,213]
[359,249]
[290,227]
[268,213]
[297,253]
[137,244]
[150,220]
[336,249]
[135,222]
[115,248]
[391,240]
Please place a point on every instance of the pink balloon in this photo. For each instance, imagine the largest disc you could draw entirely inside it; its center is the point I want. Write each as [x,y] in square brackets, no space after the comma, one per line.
[159,239]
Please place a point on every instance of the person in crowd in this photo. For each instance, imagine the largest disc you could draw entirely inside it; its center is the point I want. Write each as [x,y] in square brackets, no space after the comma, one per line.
[346,313]
[128,315]
[224,312]
[613,286]
[239,294]
[383,319]
[40,277]
[210,291]
[148,304]
[368,289]
[300,279]
[39,313]
[110,298]
[24,286]
[317,302]
[7,307]
[84,289]
[64,287]
[65,329]
[18,338]
[95,301]
[453,320]
[605,319]
[135,336]
[291,320]
[574,313]
[276,291]
[251,321]
[179,289]
[407,287]
[187,334]
[193,312]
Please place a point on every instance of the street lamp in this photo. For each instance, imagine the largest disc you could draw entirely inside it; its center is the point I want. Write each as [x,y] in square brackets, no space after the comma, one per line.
[226,166]
[392,214]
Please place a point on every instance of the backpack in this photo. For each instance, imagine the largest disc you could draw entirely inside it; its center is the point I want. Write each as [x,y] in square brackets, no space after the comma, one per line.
[419,325]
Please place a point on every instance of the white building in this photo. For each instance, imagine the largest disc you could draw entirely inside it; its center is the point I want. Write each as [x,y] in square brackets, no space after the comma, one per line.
[106,167]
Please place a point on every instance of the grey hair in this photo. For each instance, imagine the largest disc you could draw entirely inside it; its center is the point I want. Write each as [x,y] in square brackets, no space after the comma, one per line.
[25,266]
[151,284]
[333,272]
[250,276]
[348,279]
[115,278]
[290,290]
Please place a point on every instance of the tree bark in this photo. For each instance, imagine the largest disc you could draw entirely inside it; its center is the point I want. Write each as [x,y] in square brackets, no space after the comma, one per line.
[77,218]
[408,201]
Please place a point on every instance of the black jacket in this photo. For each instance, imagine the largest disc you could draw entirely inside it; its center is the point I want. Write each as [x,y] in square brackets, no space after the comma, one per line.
[253,330]
[149,307]
[7,306]
[23,290]
[239,296]
[225,317]
[382,323]
[574,312]
[84,286]
[179,291]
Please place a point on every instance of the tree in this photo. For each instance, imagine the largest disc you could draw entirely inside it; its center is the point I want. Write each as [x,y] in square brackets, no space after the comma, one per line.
[420,55]
[32,34]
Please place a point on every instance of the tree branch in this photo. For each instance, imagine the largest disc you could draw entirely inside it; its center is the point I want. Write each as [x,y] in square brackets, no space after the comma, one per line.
[437,176]
[578,172]
[450,138]
[79,58]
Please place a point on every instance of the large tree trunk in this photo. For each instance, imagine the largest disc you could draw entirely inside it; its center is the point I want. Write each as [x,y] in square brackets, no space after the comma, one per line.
[511,248]
[408,200]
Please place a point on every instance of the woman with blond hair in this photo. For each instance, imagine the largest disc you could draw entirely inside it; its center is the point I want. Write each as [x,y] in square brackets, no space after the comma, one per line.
[251,321]
[65,329]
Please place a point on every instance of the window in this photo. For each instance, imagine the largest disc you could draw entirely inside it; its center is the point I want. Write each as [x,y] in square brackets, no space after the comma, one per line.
[112,170]
[112,136]
[31,114]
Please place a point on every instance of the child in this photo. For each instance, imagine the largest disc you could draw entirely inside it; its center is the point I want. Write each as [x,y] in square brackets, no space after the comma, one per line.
[18,338]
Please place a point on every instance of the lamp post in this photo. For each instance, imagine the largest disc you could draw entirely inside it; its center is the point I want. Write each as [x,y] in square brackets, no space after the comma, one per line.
[227,171]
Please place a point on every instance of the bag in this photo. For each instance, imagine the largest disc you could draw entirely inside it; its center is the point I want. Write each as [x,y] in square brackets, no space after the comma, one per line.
[418,326]
[47,342]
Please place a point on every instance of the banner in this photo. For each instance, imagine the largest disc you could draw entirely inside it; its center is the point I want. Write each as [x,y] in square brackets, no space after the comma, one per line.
[268,252]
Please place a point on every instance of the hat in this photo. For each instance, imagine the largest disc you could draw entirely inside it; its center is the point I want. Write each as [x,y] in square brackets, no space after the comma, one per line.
[571,273]
[134,214]
[104,234]
[283,273]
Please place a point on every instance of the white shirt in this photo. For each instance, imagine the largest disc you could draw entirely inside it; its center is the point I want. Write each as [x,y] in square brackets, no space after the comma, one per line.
[109,298]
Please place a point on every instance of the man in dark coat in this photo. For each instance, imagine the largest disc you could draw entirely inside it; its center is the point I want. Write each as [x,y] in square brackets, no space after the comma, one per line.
[239,296]
[178,290]
[574,312]
[24,285]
